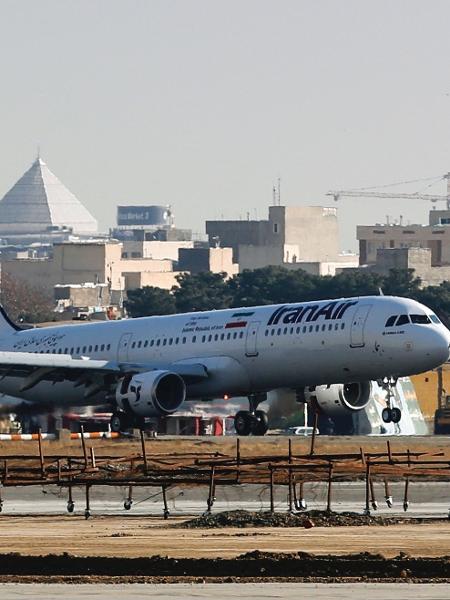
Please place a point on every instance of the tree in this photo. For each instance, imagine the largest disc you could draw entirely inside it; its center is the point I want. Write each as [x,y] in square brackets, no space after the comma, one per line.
[148,301]
[201,291]
[24,302]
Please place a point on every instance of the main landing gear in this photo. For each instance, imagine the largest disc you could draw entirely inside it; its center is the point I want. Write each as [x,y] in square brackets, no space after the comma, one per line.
[390,414]
[121,421]
[252,421]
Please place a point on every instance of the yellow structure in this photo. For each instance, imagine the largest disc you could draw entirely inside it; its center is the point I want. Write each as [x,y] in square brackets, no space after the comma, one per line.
[428,392]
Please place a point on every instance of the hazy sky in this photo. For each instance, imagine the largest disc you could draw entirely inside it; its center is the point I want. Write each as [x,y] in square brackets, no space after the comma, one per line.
[202,104]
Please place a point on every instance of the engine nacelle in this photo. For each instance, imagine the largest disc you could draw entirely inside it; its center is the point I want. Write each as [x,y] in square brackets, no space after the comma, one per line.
[340,398]
[151,394]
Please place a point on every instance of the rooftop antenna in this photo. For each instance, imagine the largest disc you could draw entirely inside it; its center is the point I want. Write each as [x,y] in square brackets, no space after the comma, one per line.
[274,196]
[38,154]
[279,191]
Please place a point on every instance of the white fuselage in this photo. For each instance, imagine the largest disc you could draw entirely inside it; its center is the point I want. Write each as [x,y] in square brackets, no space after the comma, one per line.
[249,350]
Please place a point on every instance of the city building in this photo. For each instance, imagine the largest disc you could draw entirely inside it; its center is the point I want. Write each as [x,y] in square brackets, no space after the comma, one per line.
[296,237]
[435,236]
[200,259]
[39,208]
[95,262]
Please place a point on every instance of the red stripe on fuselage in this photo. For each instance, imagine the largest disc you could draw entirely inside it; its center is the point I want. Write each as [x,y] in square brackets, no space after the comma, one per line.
[236,324]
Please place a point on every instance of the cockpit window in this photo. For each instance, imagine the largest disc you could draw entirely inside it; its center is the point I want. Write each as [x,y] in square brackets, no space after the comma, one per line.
[403,320]
[420,319]
[391,321]
[435,319]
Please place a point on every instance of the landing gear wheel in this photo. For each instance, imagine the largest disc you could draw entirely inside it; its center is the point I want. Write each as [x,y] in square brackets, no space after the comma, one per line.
[70,507]
[386,415]
[243,422]
[127,504]
[396,415]
[260,423]
[119,422]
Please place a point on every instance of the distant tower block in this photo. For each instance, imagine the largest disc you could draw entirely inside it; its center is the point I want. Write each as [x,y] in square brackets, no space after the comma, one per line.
[39,203]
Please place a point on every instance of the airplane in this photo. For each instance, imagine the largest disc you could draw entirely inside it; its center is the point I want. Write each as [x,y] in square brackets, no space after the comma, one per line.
[327,351]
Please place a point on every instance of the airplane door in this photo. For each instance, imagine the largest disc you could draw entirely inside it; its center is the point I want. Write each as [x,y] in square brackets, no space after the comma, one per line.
[124,344]
[357,326]
[251,347]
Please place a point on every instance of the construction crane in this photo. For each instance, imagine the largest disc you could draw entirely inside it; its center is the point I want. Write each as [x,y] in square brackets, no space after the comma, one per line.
[375,193]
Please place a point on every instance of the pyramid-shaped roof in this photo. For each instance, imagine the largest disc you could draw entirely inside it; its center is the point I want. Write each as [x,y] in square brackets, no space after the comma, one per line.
[39,201]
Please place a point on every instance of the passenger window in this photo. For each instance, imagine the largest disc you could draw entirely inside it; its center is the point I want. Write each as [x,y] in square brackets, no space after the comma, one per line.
[279,332]
[139,344]
[390,322]
[90,348]
[317,327]
[324,327]
[209,338]
[145,343]
[420,319]
[342,325]
[235,335]
[170,341]
[336,327]
[216,337]
[330,327]
[59,350]
[158,342]
[108,346]
[133,345]
[292,330]
[304,328]
[203,339]
[102,347]
[152,342]
[229,335]
[177,340]
[222,336]
[184,340]
[310,328]
[402,320]
[271,333]
[71,351]
[241,335]
[78,350]
[285,331]
[266,333]
[164,341]
[84,349]
[96,348]
[194,339]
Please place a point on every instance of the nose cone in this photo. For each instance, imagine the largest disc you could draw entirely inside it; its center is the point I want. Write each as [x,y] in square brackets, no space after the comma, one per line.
[436,346]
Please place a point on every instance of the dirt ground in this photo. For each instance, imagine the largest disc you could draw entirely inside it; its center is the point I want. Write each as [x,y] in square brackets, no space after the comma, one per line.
[227,445]
[142,537]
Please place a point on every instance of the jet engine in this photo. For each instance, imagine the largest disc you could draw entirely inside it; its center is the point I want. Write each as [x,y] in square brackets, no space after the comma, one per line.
[340,399]
[151,394]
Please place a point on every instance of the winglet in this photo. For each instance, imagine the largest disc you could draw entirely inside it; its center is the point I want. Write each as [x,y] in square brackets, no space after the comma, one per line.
[6,325]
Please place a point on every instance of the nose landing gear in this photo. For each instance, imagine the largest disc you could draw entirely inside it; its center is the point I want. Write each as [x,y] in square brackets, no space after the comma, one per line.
[390,414]
[252,421]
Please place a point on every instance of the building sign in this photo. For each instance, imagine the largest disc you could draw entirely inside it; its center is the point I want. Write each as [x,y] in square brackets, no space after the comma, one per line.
[143,215]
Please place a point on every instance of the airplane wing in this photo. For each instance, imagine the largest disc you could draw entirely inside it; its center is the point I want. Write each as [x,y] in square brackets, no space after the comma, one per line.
[95,375]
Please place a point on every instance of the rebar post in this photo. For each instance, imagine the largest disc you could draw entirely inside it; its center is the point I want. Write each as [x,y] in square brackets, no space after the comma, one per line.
[166,508]
[272,503]
[367,507]
[144,454]
[330,479]
[313,437]
[83,445]
[41,455]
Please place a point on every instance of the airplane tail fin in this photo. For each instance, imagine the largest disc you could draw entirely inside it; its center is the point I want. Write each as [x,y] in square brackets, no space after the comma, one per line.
[6,325]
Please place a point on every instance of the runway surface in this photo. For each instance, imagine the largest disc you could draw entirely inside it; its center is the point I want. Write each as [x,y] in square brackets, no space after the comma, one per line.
[251,591]
[426,499]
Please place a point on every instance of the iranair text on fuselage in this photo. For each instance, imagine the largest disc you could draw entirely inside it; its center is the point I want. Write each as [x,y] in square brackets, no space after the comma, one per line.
[310,312]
